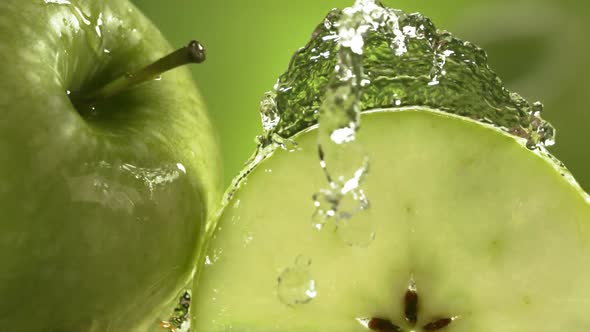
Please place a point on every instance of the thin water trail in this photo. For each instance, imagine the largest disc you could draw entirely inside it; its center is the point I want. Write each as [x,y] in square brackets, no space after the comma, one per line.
[342,158]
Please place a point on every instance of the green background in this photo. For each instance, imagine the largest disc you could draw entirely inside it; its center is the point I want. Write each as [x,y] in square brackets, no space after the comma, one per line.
[537,46]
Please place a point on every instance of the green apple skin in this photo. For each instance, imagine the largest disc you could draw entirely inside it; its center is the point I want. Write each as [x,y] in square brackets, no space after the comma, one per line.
[102,212]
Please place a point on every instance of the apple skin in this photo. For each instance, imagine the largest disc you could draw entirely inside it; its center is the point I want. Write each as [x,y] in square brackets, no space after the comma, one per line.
[103,212]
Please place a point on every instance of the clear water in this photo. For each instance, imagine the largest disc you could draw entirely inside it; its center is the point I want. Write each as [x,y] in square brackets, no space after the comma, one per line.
[295,285]
[79,20]
[342,157]
[369,56]
[405,61]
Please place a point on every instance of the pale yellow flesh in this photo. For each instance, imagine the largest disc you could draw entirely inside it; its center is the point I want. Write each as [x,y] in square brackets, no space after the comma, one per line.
[490,231]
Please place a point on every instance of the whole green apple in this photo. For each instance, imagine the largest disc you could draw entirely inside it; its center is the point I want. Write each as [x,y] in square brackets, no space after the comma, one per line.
[104,201]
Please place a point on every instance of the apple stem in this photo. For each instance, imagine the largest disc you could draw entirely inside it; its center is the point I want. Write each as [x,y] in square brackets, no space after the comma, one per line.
[194,52]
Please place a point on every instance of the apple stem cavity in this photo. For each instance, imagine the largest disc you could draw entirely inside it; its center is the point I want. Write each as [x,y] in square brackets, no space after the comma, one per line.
[194,52]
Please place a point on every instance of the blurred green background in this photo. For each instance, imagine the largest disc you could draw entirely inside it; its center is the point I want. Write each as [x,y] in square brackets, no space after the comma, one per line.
[538,47]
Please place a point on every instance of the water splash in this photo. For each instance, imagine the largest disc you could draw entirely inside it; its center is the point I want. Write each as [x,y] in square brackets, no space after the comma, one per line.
[97,184]
[369,56]
[342,157]
[79,20]
[153,177]
[296,284]
[406,62]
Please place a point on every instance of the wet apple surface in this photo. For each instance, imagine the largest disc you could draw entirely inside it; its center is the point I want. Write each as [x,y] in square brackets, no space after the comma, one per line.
[494,235]
[398,186]
[103,208]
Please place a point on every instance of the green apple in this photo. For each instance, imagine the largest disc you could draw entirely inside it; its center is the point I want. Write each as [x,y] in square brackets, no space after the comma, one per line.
[468,230]
[106,189]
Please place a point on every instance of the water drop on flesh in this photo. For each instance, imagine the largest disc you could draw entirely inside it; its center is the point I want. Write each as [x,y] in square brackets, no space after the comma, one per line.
[295,285]
[356,229]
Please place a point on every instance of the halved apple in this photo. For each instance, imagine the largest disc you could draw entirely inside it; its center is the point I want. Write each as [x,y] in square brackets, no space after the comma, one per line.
[468,230]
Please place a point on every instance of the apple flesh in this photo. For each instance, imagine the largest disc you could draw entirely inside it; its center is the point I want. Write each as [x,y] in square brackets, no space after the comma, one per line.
[103,206]
[491,234]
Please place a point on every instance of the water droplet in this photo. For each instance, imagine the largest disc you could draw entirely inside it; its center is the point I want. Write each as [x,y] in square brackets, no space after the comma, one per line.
[155,177]
[356,229]
[295,283]
[248,237]
[57,2]
[325,205]
[181,167]
[216,255]
[86,19]
[98,26]
[208,260]
[268,112]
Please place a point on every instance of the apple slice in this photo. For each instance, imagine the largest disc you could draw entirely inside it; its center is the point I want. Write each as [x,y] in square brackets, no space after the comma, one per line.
[468,231]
